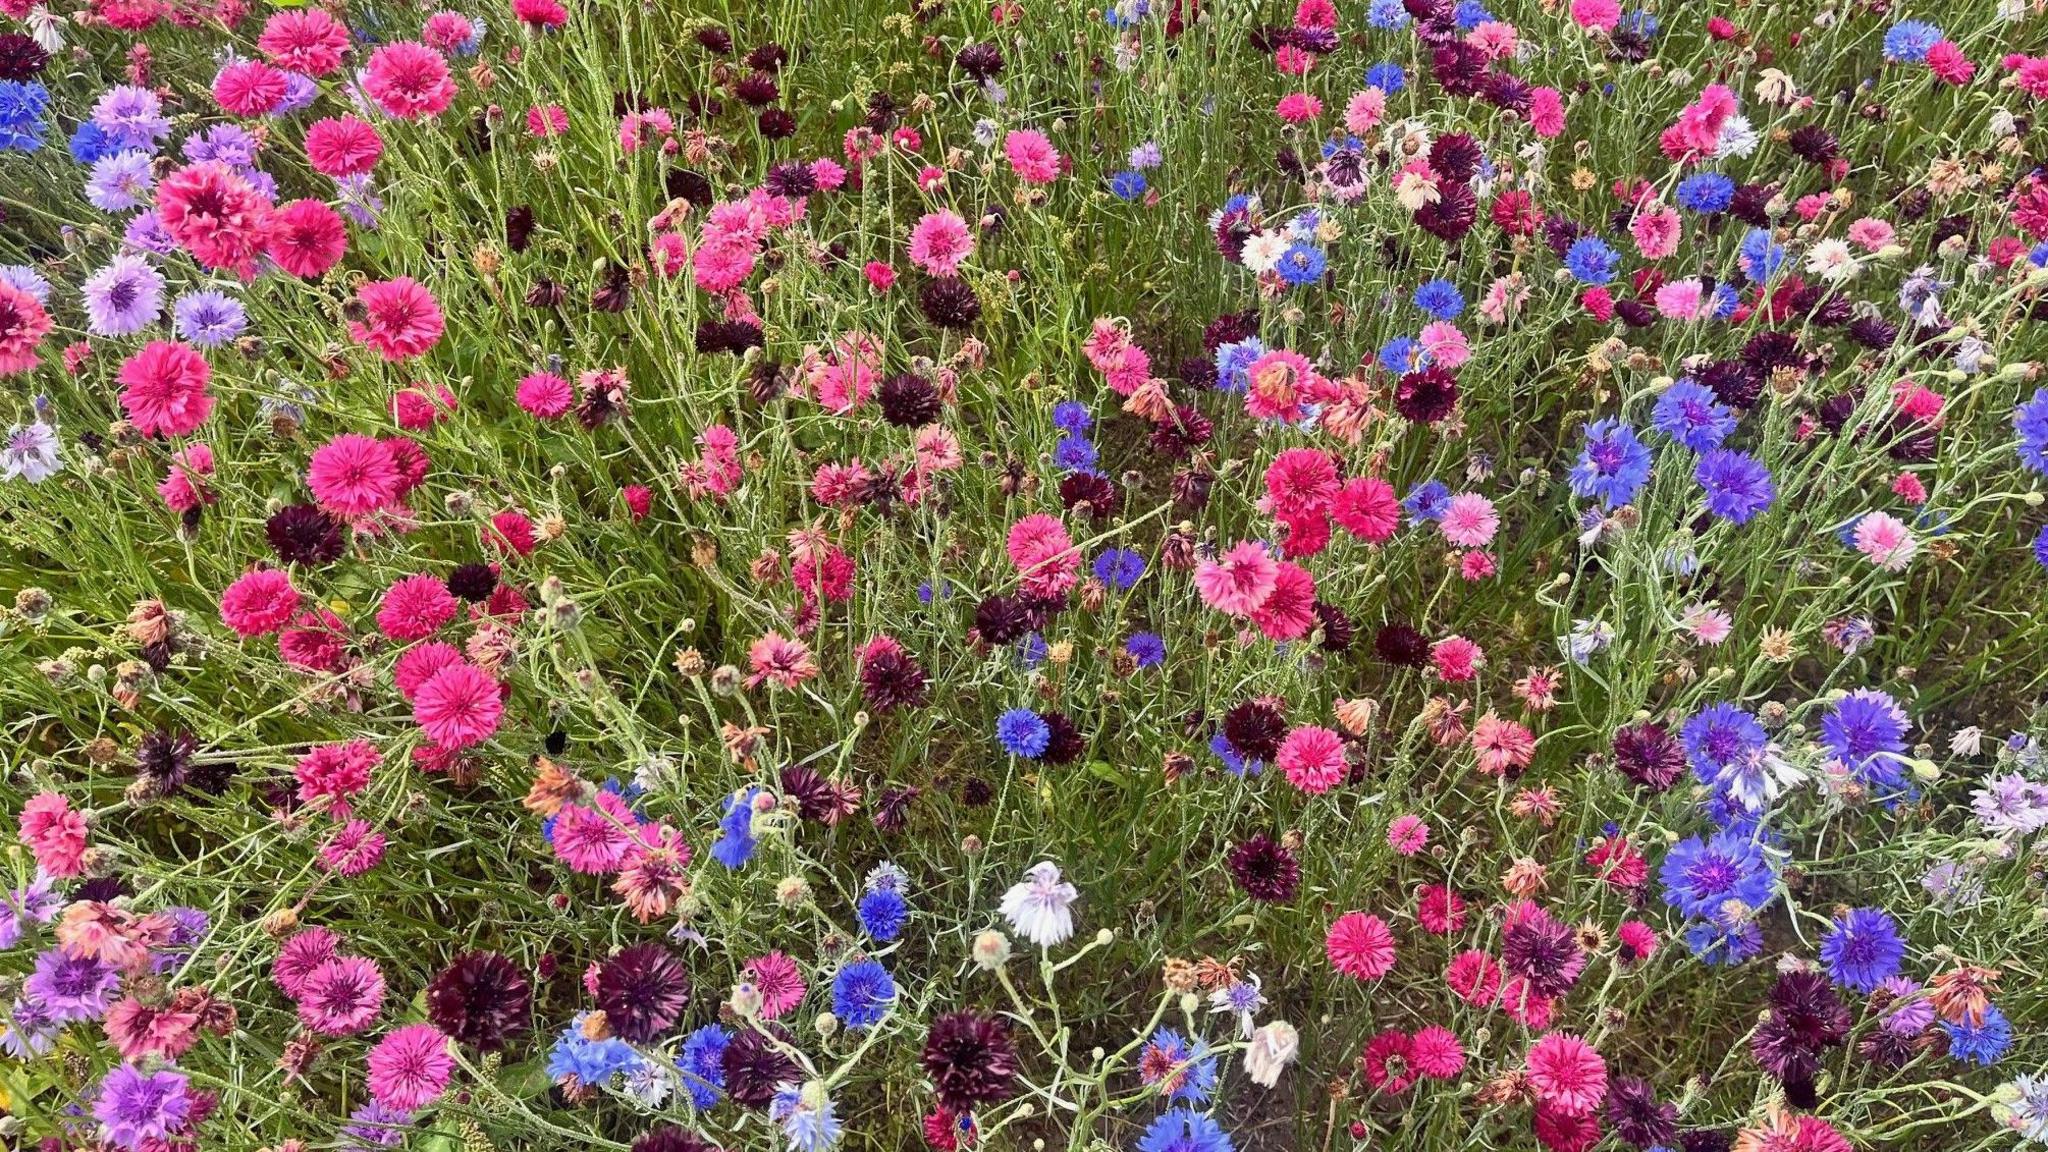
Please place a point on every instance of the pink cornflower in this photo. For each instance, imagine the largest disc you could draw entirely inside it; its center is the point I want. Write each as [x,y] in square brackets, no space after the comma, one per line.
[54,833]
[510,532]
[1367,507]
[1908,487]
[939,242]
[776,978]
[595,839]
[880,276]
[300,956]
[1439,910]
[1682,299]
[1469,520]
[1239,582]
[1456,658]
[1298,108]
[259,602]
[1436,1052]
[336,772]
[353,475]
[1635,942]
[1407,834]
[1361,946]
[780,661]
[419,663]
[137,1030]
[542,14]
[1546,112]
[1504,747]
[1707,625]
[1044,554]
[1300,481]
[1364,111]
[1946,60]
[23,324]
[1475,977]
[214,213]
[341,995]
[307,40]
[1656,231]
[458,706]
[184,485]
[401,319]
[415,607]
[1870,233]
[248,88]
[1886,540]
[164,389]
[1444,344]
[1032,157]
[1567,1074]
[1604,15]
[1312,758]
[409,1068]
[1288,611]
[1278,380]
[343,146]
[353,849]
[548,120]
[409,81]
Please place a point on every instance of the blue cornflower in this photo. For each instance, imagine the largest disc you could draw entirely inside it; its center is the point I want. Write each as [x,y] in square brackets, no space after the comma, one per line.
[1983,1044]
[1441,299]
[1128,184]
[1641,22]
[2038,255]
[2041,547]
[1181,1068]
[1866,730]
[2030,424]
[736,843]
[1387,15]
[1118,16]
[1401,355]
[1909,40]
[1701,876]
[882,913]
[1427,500]
[22,107]
[1613,466]
[1724,301]
[862,994]
[1185,1130]
[209,318]
[591,1062]
[1072,416]
[1470,14]
[1119,568]
[1591,261]
[1737,485]
[89,143]
[1862,950]
[1234,360]
[1233,760]
[809,1120]
[1022,733]
[1725,945]
[1721,735]
[1760,256]
[1075,453]
[1031,650]
[1386,76]
[1691,414]
[1705,192]
[1302,264]
[1150,651]
[702,1063]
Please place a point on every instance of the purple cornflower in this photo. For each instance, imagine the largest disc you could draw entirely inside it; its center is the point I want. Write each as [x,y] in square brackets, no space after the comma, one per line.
[131,117]
[32,452]
[72,987]
[375,1126]
[123,298]
[35,901]
[2011,805]
[141,1108]
[26,279]
[209,318]
[359,199]
[1862,950]
[1691,414]
[120,182]
[1737,485]
[231,144]
[1867,732]
[146,233]
[1613,466]
[1909,1012]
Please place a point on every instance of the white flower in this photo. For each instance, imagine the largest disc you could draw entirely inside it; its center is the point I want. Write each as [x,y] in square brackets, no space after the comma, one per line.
[1967,741]
[1738,138]
[1832,261]
[1039,909]
[1263,251]
[1272,1048]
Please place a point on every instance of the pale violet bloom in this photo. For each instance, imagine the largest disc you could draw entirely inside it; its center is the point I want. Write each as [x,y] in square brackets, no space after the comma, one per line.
[1041,908]
[1758,777]
[1241,999]
[807,1117]
[32,453]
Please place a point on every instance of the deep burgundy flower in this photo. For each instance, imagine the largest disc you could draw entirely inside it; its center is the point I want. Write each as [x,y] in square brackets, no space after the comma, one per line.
[767,57]
[754,1067]
[792,178]
[1455,156]
[1542,950]
[519,226]
[757,89]
[473,582]
[712,38]
[1338,629]
[643,990]
[890,677]
[1706,1140]
[892,808]
[776,124]
[1733,383]
[683,184]
[909,400]
[1636,1116]
[1265,869]
[1427,396]
[980,60]
[163,758]
[970,1060]
[949,303]
[21,58]
[1451,215]
[1097,494]
[1255,728]
[1230,328]
[304,534]
[482,1000]
[1001,618]
[669,1138]
[1066,742]
[1401,645]
[1649,755]
[1813,144]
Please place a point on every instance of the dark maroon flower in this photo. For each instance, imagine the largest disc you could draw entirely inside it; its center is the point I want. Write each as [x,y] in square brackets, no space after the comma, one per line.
[1255,728]
[1636,1116]
[482,999]
[970,1060]
[304,534]
[1649,755]
[754,1067]
[909,400]
[1401,645]
[473,582]
[1264,869]
[643,991]
[949,303]
[1427,396]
